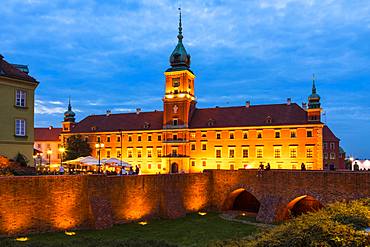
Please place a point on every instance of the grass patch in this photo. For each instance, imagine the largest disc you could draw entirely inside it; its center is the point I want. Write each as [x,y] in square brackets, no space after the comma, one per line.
[192,230]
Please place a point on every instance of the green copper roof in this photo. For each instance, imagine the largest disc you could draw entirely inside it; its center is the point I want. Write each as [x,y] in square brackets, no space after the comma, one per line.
[69,115]
[179,59]
[314,98]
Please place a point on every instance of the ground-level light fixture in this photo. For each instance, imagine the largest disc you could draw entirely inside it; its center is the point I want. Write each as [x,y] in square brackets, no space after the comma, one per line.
[69,233]
[143,223]
[22,239]
[202,213]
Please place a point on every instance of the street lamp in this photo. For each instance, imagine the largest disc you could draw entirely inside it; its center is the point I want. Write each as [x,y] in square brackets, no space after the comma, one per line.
[49,152]
[121,136]
[98,147]
[61,150]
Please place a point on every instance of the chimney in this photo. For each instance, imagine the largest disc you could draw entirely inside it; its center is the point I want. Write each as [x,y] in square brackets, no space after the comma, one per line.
[50,127]
[138,110]
[289,101]
[304,105]
[108,113]
[247,104]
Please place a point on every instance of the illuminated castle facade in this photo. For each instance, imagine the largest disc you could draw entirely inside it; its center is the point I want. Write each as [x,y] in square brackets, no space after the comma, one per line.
[184,138]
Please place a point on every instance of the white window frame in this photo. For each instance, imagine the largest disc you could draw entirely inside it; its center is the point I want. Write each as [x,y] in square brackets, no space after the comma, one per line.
[20,127]
[216,150]
[257,149]
[20,98]
[277,152]
[293,152]
[245,149]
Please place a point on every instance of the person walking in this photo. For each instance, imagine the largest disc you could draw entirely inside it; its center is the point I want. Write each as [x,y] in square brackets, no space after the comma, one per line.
[61,170]
[268,167]
[303,167]
[137,170]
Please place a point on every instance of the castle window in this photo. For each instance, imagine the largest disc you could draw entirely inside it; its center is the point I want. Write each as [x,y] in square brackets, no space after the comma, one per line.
[118,138]
[309,133]
[193,146]
[174,136]
[192,163]
[146,125]
[269,120]
[139,138]
[159,152]
[218,153]
[149,166]
[149,138]
[325,145]
[20,98]
[98,139]
[159,137]
[211,122]
[108,154]
[108,138]
[245,152]
[231,152]
[309,152]
[175,82]
[325,156]
[204,146]
[332,156]
[293,152]
[332,145]
[204,163]
[130,138]
[231,135]
[139,152]
[149,153]
[259,152]
[232,167]
[118,154]
[218,135]
[293,134]
[245,135]
[259,134]
[192,135]
[159,166]
[277,133]
[277,152]
[204,134]
[175,122]
[174,152]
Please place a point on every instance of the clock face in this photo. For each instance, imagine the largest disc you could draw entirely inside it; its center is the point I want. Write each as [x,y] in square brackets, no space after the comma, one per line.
[176,82]
[175,108]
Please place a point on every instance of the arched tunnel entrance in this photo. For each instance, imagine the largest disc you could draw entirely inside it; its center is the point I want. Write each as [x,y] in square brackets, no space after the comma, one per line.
[242,200]
[301,205]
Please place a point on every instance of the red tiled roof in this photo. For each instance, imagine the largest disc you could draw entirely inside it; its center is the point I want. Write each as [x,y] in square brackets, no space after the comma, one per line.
[125,121]
[259,115]
[8,70]
[328,135]
[47,134]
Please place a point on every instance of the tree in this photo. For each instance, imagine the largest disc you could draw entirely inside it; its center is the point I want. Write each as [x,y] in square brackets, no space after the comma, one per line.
[77,147]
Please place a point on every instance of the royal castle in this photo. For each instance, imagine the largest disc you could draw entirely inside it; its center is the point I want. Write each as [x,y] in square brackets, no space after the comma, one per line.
[185,138]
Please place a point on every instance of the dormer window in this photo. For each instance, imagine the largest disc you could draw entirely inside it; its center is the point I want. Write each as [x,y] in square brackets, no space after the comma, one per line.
[211,122]
[146,125]
[269,120]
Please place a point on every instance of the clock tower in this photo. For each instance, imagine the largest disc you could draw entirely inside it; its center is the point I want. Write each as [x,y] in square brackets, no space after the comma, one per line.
[179,97]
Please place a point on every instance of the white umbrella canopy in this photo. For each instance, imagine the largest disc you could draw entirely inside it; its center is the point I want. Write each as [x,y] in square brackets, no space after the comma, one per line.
[116,161]
[88,160]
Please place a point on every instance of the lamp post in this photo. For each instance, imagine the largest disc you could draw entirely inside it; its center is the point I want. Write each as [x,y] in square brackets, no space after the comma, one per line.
[61,150]
[121,136]
[98,147]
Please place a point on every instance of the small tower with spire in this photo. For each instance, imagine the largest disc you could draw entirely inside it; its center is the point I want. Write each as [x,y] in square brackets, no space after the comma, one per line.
[69,118]
[179,96]
[314,106]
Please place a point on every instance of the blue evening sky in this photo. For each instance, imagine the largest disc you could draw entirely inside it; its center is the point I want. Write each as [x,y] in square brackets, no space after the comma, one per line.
[112,54]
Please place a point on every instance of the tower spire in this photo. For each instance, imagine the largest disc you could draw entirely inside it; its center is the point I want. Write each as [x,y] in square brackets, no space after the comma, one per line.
[69,104]
[180,36]
[313,84]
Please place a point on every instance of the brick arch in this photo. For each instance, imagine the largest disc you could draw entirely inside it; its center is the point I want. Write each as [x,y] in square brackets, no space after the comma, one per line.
[288,203]
[235,191]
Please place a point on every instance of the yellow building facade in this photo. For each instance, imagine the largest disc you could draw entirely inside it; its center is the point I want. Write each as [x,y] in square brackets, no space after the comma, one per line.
[17,90]
[184,138]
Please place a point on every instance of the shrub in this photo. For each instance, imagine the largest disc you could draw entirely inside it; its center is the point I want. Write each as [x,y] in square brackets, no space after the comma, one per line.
[340,224]
[21,159]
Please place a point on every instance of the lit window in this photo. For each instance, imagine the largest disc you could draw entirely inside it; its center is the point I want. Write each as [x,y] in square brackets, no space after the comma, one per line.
[293,134]
[332,156]
[129,153]
[231,167]
[231,153]
[108,154]
[118,154]
[277,134]
[259,152]
[245,152]
[218,153]
[192,135]
[149,166]
[293,152]
[204,163]
[192,163]
[159,152]
[309,133]
[159,166]
[20,127]
[20,98]
[277,152]
[309,152]
[149,153]
[139,153]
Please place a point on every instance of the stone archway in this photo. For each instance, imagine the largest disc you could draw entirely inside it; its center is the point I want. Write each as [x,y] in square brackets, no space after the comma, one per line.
[242,200]
[301,205]
[174,168]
